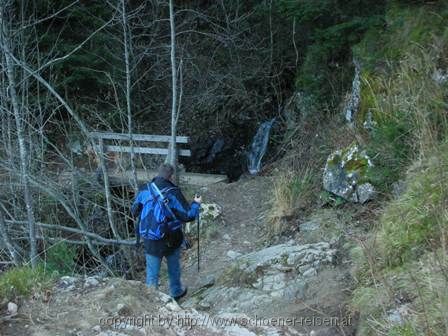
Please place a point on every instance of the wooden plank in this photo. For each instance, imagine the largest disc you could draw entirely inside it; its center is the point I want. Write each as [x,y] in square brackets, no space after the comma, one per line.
[138,137]
[143,176]
[144,150]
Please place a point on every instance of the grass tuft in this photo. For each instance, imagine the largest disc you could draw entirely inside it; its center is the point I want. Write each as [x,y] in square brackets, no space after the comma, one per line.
[23,281]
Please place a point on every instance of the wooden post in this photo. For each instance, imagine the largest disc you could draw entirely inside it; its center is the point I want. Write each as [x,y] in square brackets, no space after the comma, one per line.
[107,189]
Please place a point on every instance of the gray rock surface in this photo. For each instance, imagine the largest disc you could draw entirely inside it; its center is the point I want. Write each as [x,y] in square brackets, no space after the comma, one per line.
[345,175]
[281,272]
[352,103]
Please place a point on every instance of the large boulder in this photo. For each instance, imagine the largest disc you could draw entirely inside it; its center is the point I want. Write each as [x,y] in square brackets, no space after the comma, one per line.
[346,175]
[277,272]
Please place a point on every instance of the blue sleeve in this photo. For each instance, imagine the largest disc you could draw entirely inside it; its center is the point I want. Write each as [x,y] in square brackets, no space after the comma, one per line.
[136,207]
[182,210]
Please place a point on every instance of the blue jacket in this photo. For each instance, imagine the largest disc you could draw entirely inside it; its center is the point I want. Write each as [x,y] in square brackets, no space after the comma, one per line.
[183,212]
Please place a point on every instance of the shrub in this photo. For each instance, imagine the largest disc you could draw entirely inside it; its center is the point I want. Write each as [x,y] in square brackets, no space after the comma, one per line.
[22,281]
[408,114]
[60,259]
[292,192]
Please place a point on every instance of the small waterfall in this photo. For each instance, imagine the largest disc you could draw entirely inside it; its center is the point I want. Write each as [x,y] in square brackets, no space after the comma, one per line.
[352,104]
[258,147]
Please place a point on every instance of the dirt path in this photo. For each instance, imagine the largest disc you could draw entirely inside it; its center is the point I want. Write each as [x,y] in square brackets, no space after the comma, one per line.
[244,207]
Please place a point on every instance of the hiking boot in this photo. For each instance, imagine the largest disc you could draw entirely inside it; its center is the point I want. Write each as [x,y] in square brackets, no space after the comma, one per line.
[180,296]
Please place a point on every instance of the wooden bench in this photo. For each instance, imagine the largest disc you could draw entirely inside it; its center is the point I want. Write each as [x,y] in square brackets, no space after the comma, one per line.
[116,178]
[136,138]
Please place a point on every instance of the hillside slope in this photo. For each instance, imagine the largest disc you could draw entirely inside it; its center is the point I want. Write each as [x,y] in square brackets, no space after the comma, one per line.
[296,287]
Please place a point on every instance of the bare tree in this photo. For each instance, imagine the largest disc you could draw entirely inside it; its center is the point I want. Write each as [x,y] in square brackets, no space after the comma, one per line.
[172,155]
[126,46]
[19,121]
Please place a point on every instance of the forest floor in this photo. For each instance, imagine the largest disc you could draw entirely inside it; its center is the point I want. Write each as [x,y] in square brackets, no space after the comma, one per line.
[313,298]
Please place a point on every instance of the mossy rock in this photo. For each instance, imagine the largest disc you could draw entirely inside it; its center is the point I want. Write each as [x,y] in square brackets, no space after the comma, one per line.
[346,174]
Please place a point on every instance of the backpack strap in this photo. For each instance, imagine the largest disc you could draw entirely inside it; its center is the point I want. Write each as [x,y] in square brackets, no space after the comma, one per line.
[163,198]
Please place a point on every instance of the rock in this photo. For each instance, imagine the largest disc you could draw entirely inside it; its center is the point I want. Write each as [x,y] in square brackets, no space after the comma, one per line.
[306,267]
[111,333]
[289,255]
[226,237]
[66,281]
[206,282]
[96,329]
[398,188]
[124,310]
[346,174]
[312,225]
[365,192]
[91,282]
[173,306]
[440,76]
[310,273]
[352,102]
[296,290]
[324,332]
[369,124]
[233,255]
[210,212]
[12,308]
[398,316]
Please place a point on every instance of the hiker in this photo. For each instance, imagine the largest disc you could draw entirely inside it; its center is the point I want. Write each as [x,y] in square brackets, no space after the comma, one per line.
[160,226]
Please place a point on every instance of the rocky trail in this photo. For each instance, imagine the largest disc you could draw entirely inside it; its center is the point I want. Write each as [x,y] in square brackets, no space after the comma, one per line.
[245,286]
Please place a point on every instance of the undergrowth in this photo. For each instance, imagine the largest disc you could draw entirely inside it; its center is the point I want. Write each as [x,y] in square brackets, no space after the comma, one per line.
[23,281]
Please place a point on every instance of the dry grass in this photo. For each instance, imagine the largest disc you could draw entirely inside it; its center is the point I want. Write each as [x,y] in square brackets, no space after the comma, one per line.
[292,192]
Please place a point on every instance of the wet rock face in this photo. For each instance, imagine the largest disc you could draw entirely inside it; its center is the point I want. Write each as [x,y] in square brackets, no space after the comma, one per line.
[221,155]
[346,174]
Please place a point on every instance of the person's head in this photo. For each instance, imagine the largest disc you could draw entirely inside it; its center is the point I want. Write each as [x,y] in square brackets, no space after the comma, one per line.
[166,171]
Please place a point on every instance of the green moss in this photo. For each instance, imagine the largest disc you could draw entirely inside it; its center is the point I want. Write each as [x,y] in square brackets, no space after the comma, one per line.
[405,330]
[353,160]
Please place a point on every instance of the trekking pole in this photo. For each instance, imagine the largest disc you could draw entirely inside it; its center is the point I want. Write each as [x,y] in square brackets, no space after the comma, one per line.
[199,225]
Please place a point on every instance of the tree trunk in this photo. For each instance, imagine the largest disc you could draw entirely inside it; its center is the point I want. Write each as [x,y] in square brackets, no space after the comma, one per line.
[23,155]
[10,246]
[127,47]
[172,156]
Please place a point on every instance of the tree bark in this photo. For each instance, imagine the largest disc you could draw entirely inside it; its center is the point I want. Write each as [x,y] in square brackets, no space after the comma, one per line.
[10,246]
[127,47]
[23,155]
[172,156]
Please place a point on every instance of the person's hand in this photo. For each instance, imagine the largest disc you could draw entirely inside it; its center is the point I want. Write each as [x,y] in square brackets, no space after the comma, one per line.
[197,198]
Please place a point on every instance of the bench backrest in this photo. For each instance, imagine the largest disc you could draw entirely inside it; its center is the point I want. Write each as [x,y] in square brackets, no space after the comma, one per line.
[101,136]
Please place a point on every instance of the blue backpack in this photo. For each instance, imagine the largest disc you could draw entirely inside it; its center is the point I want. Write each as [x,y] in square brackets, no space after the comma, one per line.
[156,216]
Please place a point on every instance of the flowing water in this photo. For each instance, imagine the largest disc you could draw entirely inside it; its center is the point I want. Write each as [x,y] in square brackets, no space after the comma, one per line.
[258,147]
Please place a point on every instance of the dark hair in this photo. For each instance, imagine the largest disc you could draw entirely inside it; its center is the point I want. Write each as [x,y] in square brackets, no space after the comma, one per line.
[166,171]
